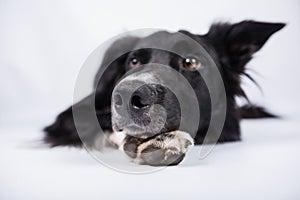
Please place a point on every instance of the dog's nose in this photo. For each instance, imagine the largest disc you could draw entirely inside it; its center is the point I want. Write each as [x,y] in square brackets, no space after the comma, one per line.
[118,100]
[135,102]
[143,98]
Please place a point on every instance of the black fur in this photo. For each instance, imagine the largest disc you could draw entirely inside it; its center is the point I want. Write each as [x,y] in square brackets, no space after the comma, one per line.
[230,45]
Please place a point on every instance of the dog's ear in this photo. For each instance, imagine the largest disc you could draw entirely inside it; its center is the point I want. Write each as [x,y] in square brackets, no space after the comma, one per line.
[236,43]
[63,131]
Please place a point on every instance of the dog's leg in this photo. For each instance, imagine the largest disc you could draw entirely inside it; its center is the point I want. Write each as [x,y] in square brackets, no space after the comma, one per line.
[66,131]
[161,150]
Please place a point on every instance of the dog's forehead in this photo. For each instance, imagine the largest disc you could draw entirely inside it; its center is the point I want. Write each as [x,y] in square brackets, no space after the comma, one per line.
[161,40]
[176,42]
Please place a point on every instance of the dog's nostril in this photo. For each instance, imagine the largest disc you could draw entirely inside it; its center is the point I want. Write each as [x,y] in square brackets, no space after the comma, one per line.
[118,100]
[138,103]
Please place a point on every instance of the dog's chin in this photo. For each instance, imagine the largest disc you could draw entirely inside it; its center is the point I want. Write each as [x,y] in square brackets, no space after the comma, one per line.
[136,131]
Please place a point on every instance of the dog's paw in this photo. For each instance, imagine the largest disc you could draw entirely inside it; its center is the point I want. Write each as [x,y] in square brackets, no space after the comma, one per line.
[161,150]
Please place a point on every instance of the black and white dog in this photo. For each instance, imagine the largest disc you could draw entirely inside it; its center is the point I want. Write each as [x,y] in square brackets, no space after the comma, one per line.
[231,47]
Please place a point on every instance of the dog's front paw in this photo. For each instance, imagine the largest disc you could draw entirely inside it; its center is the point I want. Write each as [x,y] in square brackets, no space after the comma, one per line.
[161,150]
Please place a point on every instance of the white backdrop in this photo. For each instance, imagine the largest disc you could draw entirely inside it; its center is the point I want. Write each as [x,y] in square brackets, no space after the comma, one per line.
[42,47]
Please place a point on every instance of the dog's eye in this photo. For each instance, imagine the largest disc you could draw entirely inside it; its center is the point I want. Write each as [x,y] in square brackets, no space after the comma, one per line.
[134,62]
[191,63]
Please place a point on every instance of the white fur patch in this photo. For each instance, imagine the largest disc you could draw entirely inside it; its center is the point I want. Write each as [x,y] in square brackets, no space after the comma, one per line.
[116,139]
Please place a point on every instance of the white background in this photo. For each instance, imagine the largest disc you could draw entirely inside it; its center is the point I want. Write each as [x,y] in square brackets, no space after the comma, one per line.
[42,47]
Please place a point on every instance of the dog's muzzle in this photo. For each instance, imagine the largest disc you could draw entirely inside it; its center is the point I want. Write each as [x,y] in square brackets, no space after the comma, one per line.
[154,100]
[137,105]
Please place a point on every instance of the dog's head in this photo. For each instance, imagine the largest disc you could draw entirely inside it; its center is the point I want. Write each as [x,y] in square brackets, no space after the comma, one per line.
[135,88]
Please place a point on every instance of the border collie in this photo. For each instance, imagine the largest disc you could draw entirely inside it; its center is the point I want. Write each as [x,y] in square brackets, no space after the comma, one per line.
[132,96]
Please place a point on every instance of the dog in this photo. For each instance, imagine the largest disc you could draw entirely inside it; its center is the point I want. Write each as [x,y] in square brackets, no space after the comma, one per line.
[126,90]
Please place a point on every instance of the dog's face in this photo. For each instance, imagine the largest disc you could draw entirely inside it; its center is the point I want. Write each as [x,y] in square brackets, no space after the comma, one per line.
[142,103]
[143,106]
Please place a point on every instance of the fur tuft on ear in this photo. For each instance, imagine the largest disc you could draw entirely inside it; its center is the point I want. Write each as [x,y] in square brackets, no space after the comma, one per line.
[238,42]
